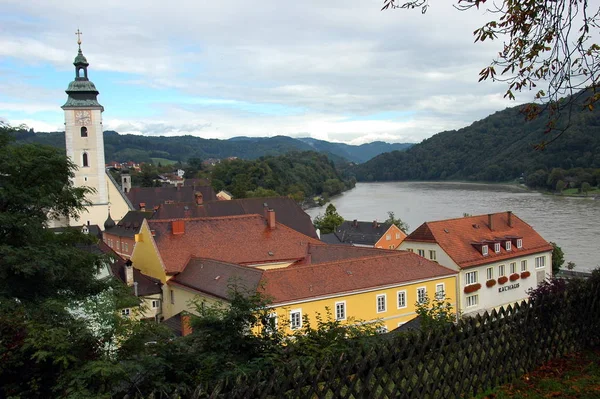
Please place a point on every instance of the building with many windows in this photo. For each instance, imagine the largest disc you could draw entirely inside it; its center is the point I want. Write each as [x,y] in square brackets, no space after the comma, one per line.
[499,257]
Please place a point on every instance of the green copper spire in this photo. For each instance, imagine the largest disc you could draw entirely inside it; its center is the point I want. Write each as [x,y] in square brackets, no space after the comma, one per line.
[82,92]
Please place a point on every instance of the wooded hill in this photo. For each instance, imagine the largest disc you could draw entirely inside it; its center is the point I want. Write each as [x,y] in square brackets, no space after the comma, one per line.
[127,147]
[497,148]
[298,174]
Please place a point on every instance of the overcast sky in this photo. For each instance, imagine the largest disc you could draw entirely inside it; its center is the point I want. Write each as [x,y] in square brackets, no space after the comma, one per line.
[335,70]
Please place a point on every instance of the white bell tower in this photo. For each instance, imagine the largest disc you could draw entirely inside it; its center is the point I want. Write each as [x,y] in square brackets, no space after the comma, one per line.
[85,140]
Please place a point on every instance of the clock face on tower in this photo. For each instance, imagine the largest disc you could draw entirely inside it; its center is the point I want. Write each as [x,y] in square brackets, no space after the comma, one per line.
[83,117]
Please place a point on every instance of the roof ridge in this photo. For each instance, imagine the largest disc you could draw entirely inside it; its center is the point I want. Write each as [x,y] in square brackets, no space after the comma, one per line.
[281,269]
[236,265]
[201,218]
[469,217]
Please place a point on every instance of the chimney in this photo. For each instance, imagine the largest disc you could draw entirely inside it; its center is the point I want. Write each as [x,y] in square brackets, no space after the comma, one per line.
[135,288]
[271,219]
[266,210]
[129,273]
[142,206]
[186,327]
[318,231]
[490,221]
[179,186]
[374,224]
[199,198]
[355,223]
[178,227]
[509,214]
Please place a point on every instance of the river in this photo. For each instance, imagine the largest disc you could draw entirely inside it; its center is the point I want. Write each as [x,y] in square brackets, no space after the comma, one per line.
[573,223]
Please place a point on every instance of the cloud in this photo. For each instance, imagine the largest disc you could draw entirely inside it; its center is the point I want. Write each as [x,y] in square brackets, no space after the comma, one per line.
[222,69]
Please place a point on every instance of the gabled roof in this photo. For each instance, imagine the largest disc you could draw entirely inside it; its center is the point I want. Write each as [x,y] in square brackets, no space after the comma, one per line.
[130,225]
[349,275]
[362,233]
[244,239]
[287,210]
[459,238]
[214,277]
[155,196]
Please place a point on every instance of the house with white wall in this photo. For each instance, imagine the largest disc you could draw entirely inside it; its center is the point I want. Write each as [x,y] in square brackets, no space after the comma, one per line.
[499,257]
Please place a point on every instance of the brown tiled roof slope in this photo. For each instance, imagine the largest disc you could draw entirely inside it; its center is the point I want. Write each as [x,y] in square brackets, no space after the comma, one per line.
[349,275]
[287,210]
[456,238]
[334,252]
[235,239]
[155,196]
[215,278]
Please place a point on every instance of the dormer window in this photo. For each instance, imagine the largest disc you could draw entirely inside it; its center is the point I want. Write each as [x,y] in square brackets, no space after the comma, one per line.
[519,243]
[497,247]
[507,245]
[484,250]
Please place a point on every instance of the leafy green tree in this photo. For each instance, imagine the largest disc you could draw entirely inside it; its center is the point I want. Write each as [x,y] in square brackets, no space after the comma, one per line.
[397,221]
[585,188]
[327,223]
[560,186]
[558,258]
[41,273]
[261,192]
[435,313]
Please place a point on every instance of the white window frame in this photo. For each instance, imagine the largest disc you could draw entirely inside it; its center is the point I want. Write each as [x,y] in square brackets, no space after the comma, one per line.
[432,255]
[472,301]
[421,252]
[484,250]
[118,244]
[540,262]
[513,267]
[410,250]
[275,326]
[342,305]
[421,298]
[155,303]
[501,270]
[471,277]
[442,291]
[401,294]
[397,236]
[489,273]
[377,301]
[125,312]
[295,326]
[508,246]
[524,265]
[519,243]
[388,237]
[497,247]
[126,246]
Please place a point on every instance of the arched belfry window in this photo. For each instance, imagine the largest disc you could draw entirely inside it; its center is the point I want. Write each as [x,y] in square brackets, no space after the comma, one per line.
[85,159]
[83,131]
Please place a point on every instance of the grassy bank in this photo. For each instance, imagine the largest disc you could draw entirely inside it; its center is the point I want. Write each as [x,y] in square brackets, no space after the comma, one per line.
[573,376]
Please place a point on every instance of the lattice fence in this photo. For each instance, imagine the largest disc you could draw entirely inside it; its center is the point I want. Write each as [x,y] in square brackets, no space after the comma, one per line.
[460,361]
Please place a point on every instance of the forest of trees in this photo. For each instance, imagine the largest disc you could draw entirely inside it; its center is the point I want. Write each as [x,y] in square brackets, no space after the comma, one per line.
[298,174]
[128,147]
[498,148]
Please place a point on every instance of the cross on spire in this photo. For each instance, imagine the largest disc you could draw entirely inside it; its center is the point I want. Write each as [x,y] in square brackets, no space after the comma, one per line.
[79,33]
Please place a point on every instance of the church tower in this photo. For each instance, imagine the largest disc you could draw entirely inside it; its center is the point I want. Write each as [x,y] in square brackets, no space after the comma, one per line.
[84,135]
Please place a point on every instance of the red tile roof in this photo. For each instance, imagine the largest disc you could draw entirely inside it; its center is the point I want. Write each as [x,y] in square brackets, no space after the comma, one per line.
[244,239]
[457,236]
[349,275]
[288,211]
[155,196]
